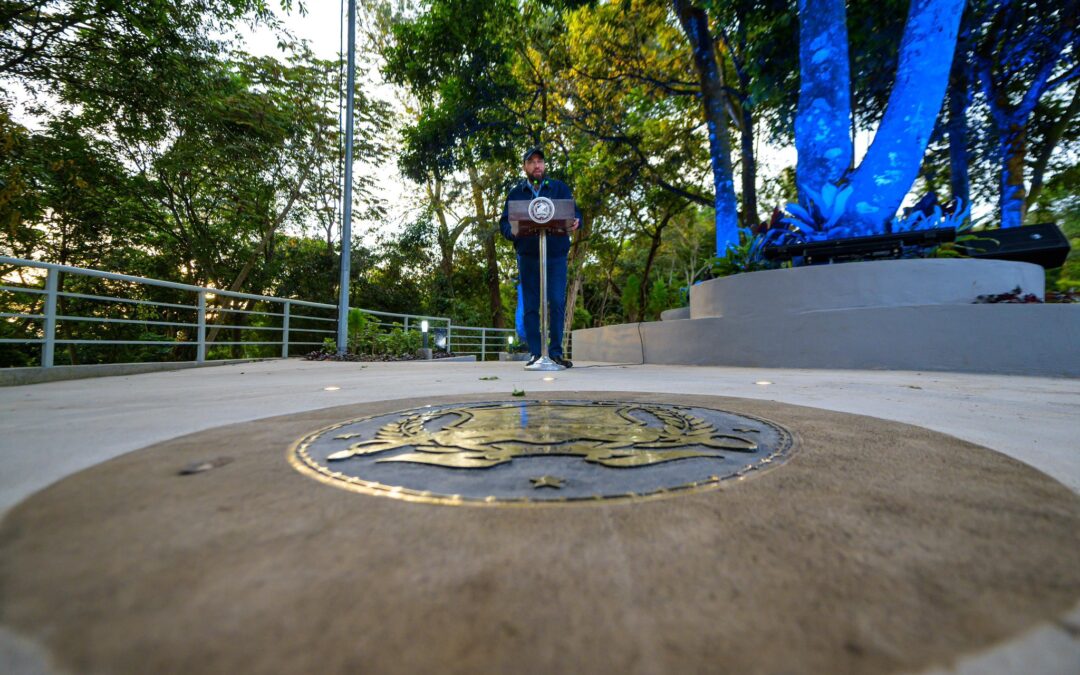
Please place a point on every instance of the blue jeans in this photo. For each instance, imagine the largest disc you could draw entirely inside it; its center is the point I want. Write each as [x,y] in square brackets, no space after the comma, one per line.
[529,267]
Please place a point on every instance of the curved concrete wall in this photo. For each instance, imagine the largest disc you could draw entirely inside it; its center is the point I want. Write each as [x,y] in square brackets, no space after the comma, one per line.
[892,314]
[881,283]
[1010,339]
[677,314]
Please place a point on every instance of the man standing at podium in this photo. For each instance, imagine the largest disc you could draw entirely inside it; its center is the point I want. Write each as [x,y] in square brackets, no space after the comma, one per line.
[537,184]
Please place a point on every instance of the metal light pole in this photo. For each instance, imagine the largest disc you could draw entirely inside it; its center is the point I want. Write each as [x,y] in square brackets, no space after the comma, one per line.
[346,210]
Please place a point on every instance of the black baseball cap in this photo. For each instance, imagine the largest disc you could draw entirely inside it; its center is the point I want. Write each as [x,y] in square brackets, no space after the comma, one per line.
[535,150]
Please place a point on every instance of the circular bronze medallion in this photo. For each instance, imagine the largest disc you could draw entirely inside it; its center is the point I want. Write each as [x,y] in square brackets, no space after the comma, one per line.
[538,452]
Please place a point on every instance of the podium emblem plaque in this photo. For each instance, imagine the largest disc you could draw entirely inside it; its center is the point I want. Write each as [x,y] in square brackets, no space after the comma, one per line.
[541,210]
[528,218]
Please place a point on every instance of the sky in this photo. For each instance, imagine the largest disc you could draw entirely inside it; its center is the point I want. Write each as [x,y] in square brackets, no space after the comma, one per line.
[320,27]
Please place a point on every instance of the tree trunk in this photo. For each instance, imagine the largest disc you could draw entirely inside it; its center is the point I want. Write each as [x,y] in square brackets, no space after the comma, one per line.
[695,24]
[959,98]
[892,163]
[824,112]
[1013,150]
[749,161]
[574,262]
[487,233]
[654,245]
[749,169]
[609,283]
[445,240]
[573,289]
[446,264]
[492,273]
[997,68]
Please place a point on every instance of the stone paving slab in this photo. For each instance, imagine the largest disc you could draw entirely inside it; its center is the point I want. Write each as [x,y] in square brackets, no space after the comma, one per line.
[51,430]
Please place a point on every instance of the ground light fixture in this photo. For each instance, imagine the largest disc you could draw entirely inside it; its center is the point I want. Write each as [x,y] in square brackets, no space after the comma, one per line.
[424,330]
[763,382]
[549,379]
[331,388]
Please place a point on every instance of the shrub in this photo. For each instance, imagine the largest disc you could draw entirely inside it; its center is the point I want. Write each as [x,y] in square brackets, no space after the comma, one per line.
[363,332]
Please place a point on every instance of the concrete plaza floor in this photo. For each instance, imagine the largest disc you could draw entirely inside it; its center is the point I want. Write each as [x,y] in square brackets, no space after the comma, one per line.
[49,431]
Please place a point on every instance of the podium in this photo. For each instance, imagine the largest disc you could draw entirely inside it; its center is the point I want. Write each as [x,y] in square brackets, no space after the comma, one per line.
[538,218]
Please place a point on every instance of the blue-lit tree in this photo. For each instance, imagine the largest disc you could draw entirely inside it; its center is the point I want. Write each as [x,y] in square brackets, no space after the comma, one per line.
[695,23]
[870,194]
[1027,48]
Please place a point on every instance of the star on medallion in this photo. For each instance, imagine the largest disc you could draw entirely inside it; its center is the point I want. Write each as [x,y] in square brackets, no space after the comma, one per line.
[547,481]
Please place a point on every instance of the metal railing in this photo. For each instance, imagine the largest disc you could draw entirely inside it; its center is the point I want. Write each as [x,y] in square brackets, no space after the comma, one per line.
[58,300]
[486,343]
[480,342]
[184,317]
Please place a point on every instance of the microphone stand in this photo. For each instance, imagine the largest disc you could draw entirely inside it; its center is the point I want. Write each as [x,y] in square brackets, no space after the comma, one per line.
[544,362]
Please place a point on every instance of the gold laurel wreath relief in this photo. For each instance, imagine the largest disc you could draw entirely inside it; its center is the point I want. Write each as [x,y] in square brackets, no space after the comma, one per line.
[609,435]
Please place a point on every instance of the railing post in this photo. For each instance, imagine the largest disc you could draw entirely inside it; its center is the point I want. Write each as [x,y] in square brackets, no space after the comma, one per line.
[285,331]
[200,353]
[52,286]
[406,324]
[448,342]
[483,344]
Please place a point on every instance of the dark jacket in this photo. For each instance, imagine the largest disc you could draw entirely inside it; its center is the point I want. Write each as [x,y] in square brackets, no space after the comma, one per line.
[557,245]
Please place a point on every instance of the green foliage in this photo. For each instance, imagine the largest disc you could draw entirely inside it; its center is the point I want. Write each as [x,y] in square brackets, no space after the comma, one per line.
[157,152]
[460,70]
[661,298]
[363,332]
[822,211]
[782,190]
[361,327]
[582,317]
[399,342]
[195,164]
[631,292]
[367,337]
[1060,202]
[117,61]
[518,346]
[742,258]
